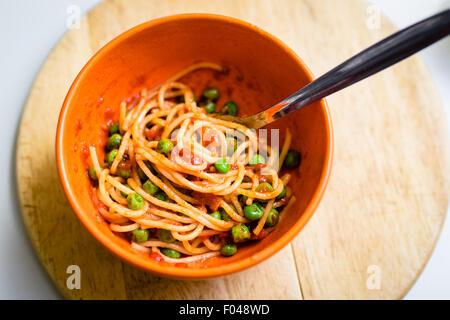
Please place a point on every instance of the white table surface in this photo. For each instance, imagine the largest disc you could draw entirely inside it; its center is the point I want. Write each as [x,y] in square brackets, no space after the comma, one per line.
[30,28]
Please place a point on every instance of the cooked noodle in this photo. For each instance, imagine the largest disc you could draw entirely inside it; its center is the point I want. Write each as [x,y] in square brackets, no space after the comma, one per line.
[186,175]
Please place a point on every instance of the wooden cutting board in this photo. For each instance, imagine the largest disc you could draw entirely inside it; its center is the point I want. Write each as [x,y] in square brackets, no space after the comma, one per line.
[388,193]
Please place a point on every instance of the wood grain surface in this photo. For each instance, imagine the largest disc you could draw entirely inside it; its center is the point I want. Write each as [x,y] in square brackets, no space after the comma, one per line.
[387,197]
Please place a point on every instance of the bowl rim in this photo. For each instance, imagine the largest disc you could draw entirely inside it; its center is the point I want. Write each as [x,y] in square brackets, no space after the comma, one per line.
[168,270]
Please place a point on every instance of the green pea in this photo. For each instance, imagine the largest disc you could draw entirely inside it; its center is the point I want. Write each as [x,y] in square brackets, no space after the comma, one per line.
[228,249]
[170,253]
[253,212]
[256,159]
[210,107]
[135,201]
[224,215]
[240,233]
[272,218]
[114,141]
[222,166]
[150,188]
[211,93]
[162,196]
[110,156]
[165,235]
[164,146]
[231,145]
[282,194]
[114,128]
[140,235]
[264,187]
[216,215]
[92,173]
[244,199]
[124,173]
[230,108]
[292,160]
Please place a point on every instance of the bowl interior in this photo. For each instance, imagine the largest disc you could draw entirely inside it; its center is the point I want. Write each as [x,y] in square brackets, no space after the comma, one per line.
[261,71]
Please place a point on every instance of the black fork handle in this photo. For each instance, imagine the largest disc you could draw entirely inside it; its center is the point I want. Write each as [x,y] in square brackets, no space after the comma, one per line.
[381,55]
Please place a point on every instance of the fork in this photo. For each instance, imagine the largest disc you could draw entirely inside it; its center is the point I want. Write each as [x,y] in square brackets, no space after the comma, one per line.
[379,56]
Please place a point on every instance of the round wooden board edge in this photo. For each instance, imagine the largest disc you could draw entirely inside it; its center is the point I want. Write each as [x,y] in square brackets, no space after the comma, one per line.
[18,151]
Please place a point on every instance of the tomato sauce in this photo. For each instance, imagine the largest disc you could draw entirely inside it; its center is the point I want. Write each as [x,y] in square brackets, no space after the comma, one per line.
[208,199]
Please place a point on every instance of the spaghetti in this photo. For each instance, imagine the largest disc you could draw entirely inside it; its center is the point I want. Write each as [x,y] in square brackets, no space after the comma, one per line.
[185,186]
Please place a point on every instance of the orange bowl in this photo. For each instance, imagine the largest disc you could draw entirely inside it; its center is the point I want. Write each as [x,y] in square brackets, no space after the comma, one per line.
[262,71]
